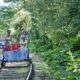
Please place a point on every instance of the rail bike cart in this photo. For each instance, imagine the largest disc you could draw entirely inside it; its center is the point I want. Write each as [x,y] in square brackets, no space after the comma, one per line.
[14,53]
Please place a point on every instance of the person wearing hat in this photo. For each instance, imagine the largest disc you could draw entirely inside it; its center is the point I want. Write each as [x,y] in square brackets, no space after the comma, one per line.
[8,37]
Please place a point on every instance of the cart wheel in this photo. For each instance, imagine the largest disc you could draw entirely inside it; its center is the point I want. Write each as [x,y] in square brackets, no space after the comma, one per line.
[2,64]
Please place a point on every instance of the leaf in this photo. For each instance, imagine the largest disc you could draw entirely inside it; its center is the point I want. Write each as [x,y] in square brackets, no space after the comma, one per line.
[78,59]
[71,77]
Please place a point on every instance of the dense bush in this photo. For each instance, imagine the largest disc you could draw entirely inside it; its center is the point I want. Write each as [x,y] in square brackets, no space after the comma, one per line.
[63,61]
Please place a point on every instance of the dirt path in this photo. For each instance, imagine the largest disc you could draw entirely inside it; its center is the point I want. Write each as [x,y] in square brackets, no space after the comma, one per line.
[41,69]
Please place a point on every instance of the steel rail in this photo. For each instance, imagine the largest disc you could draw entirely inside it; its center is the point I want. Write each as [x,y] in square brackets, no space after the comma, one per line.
[30,71]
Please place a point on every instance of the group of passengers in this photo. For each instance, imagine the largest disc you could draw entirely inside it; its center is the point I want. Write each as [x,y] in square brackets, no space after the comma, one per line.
[8,38]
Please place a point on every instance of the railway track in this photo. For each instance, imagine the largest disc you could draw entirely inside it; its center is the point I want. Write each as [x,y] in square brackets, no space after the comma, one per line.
[17,71]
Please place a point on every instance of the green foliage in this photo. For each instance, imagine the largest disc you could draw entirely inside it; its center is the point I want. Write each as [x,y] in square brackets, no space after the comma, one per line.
[40,46]
[63,62]
[77,44]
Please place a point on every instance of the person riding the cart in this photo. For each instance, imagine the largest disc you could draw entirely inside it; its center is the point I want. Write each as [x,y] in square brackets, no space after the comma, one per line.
[1,42]
[24,34]
[24,39]
[8,37]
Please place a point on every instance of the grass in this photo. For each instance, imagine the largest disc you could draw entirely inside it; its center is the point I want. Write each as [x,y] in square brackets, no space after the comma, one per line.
[21,70]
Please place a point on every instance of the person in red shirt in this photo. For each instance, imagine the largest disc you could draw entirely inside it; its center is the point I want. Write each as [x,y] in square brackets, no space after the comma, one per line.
[7,47]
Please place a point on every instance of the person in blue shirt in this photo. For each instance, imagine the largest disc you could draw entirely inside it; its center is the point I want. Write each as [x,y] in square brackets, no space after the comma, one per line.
[24,34]
[1,42]
[24,39]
